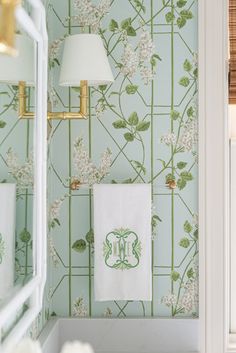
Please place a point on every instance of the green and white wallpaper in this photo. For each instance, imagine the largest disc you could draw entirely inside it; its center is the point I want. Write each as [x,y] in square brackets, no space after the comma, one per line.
[141,129]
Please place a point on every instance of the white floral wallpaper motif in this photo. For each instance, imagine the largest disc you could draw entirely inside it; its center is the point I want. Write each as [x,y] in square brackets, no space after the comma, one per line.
[142,128]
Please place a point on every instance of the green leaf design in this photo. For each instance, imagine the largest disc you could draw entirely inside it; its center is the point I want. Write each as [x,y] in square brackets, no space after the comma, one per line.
[133,119]
[129,136]
[131,31]
[119,124]
[181,3]
[175,276]
[127,181]
[184,242]
[131,89]
[187,176]
[181,165]
[195,72]
[79,245]
[139,5]
[113,25]
[190,273]
[156,56]
[169,177]
[187,65]
[174,114]
[188,15]
[155,216]
[190,112]
[187,227]
[181,22]
[56,61]
[25,236]
[169,17]
[102,87]
[143,126]
[140,166]
[195,234]
[184,81]
[126,23]
[2,124]
[155,219]
[57,221]
[181,183]
[90,236]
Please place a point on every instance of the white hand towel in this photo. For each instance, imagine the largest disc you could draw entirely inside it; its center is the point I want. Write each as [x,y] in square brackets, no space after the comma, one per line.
[122,233]
[7,238]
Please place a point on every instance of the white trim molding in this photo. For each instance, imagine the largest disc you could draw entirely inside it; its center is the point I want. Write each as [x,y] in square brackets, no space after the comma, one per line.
[213,176]
[32,292]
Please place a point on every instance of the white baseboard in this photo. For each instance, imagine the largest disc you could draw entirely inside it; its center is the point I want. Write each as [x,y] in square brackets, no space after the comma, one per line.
[124,335]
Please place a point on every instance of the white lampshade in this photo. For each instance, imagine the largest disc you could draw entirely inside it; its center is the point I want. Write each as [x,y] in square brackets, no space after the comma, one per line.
[85,58]
[21,67]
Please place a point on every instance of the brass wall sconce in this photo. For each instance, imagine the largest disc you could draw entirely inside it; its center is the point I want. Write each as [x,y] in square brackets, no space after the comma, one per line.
[7,26]
[84,63]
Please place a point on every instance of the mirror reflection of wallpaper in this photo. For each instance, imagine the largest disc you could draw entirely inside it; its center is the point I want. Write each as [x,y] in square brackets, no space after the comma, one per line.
[16,166]
[142,128]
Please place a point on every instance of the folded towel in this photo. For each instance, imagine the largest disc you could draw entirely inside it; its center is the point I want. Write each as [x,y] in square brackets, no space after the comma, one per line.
[122,233]
[7,238]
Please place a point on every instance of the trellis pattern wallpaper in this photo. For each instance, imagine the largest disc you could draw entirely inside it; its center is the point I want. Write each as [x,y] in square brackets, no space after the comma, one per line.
[141,129]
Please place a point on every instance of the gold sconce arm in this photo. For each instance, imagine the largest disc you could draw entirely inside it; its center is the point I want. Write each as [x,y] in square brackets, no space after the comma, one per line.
[23,113]
[82,114]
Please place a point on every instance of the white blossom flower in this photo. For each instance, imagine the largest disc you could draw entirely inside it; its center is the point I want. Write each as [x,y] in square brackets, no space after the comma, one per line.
[168,139]
[77,347]
[23,174]
[26,345]
[147,74]
[189,138]
[86,171]
[146,46]
[89,14]
[55,208]
[54,48]
[189,300]
[99,109]
[169,300]
[52,252]
[129,61]
[107,312]
[79,308]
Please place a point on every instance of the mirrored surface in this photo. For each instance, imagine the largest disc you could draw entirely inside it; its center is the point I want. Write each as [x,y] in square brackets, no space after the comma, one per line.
[17,101]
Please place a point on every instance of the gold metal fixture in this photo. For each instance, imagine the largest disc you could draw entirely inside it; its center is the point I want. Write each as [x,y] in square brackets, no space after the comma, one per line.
[23,113]
[7,26]
[82,114]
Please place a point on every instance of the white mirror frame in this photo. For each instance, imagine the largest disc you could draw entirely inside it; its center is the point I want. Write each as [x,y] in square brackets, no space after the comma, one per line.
[33,290]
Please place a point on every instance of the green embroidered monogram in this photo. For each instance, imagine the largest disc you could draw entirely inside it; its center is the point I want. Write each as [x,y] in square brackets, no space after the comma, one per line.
[122,249]
[2,248]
